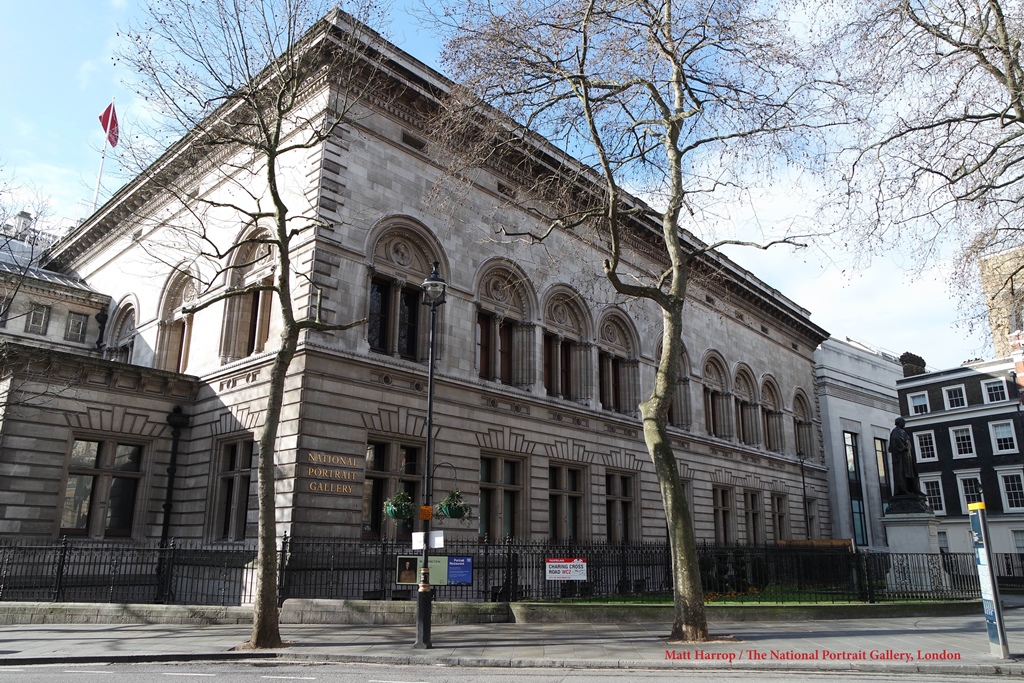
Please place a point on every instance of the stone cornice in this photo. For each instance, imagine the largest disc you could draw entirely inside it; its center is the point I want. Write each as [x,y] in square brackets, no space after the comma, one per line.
[92,373]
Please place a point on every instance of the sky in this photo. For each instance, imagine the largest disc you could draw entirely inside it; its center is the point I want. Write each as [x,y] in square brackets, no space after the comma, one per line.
[60,76]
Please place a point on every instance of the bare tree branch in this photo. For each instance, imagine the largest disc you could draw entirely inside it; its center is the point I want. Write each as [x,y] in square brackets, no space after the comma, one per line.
[679,99]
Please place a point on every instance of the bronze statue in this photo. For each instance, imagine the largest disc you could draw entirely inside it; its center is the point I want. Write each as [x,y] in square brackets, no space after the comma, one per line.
[904,467]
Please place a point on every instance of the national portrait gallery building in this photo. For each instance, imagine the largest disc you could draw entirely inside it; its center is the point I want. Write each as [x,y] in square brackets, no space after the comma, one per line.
[128,414]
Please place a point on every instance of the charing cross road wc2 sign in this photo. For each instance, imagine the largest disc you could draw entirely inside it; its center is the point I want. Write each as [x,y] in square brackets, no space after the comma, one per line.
[565,569]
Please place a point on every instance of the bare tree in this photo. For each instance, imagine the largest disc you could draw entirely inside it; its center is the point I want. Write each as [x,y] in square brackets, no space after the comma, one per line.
[24,209]
[253,86]
[681,102]
[937,160]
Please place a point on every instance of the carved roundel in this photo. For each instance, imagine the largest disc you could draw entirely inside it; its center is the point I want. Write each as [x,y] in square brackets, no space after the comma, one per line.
[713,376]
[401,252]
[498,290]
[502,291]
[615,335]
[563,312]
[743,389]
[189,292]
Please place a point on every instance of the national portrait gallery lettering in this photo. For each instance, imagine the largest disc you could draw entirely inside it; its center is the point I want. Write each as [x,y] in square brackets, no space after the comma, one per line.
[330,473]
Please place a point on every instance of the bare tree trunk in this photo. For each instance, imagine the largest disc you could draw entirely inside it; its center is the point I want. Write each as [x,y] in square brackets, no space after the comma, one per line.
[690,623]
[266,631]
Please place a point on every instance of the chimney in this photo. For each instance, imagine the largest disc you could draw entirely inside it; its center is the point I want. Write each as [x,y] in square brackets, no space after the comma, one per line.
[912,364]
[22,225]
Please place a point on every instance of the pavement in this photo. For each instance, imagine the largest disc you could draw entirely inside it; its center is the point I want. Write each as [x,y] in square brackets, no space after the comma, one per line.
[940,645]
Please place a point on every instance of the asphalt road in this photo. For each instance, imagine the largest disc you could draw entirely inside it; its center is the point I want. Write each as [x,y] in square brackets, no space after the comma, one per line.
[267,672]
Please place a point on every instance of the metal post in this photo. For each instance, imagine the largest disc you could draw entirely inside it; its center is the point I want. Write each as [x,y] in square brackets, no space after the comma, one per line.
[433,295]
[282,569]
[58,578]
[801,456]
[177,421]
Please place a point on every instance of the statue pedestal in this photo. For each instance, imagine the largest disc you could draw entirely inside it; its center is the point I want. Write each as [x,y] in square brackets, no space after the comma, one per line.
[915,561]
[912,532]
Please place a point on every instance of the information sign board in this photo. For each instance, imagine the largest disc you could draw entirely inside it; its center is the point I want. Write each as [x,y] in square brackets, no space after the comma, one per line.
[445,570]
[566,569]
[989,589]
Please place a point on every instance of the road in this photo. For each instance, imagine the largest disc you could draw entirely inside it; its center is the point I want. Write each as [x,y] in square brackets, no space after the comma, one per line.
[268,672]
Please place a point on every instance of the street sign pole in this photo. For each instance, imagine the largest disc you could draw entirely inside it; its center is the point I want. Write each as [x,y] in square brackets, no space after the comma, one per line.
[989,588]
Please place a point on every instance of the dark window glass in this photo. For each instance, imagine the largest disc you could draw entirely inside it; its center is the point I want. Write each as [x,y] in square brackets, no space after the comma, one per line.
[377,325]
[85,454]
[505,351]
[78,496]
[127,457]
[408,315]
[484,345]
[121,506]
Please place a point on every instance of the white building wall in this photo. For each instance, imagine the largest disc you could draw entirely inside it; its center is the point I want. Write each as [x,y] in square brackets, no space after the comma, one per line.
[856,389]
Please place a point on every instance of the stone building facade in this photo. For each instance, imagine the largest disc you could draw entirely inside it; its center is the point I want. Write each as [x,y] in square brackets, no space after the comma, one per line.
[540,365]
[857,398]
[1004,297]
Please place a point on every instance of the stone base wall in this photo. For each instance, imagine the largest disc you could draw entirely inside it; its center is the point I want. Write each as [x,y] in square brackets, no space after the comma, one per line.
[382,613]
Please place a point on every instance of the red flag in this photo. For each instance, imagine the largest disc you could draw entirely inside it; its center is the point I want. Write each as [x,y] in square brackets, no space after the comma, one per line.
[108,119]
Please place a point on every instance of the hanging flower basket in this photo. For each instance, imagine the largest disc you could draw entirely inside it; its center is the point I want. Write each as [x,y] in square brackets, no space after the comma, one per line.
[398,507]
[453,506]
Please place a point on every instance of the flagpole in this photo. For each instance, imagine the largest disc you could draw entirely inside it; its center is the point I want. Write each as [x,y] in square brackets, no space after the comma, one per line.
[103,156]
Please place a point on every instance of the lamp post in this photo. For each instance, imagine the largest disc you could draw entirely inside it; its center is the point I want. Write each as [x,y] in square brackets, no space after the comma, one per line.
[177,420]
[802,457]
[433,295]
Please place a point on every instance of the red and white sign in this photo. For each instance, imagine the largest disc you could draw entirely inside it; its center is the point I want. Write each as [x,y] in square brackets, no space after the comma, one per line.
[566,569]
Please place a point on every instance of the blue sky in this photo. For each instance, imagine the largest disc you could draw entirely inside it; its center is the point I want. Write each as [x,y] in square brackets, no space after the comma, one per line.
[60,75]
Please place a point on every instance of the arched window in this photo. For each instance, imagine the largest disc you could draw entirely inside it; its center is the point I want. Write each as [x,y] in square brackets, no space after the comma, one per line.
[395,326]
[618,366]
[122,335]
[802,427]
[679,413]
[567,354]
[504,335]
[748,428]
[175,336]
[248,314]
[717,413]
[771,418]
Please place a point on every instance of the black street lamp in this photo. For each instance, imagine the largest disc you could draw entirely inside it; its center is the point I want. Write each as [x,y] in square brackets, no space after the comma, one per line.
[433,295]
[177,420]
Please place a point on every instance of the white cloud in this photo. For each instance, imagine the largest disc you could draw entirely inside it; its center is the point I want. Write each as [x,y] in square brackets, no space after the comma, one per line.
[883,301]
[882,304]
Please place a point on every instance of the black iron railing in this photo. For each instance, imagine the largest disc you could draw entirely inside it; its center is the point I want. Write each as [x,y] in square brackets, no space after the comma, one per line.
[84,571]
[332,568]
